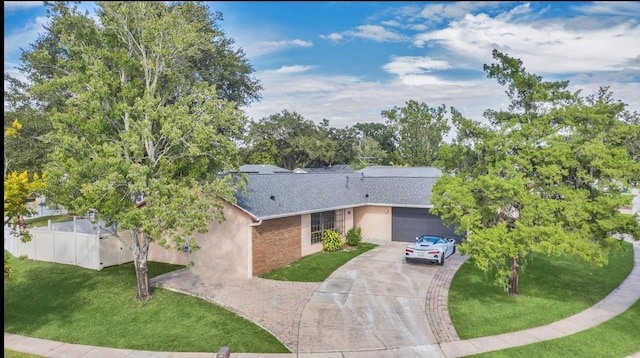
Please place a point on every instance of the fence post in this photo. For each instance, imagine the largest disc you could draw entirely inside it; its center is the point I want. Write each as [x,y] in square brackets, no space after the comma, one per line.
[75,247]
[53,238]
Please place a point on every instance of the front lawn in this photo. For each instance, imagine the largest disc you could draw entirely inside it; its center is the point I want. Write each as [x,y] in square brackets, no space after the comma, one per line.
[316,267]
[75,305]
[551,288]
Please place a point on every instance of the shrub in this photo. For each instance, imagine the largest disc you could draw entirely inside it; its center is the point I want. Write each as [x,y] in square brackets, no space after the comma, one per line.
[331,240]
[354,236]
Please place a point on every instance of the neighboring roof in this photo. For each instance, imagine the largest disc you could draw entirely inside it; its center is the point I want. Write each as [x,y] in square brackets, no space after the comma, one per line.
[262,169]
[338,168]
[279,195]
[384,171]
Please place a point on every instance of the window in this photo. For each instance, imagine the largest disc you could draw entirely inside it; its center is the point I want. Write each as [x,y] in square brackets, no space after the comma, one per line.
[324,221]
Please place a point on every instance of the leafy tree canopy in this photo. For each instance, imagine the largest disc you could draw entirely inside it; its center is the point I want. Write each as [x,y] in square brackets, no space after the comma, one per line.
[290,141]
[543,176]
[144,106]
[419,131]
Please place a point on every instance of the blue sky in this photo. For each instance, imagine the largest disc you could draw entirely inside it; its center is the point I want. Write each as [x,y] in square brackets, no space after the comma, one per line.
[348,61]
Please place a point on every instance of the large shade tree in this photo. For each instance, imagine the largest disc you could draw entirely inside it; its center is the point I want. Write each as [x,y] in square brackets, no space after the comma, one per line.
[419,131]
[541,176]
[145,118]
[290,141]
[376,144]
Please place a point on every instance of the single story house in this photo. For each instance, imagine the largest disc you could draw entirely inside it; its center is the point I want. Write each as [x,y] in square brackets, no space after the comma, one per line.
[281,215]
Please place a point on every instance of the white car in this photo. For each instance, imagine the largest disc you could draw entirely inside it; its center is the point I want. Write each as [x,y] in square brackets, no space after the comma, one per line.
[430,249]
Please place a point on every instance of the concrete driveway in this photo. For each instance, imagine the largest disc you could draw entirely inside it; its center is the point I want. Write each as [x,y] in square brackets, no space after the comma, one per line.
[375,302]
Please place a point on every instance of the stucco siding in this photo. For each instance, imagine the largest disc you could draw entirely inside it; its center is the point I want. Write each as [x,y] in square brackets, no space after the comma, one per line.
[348,219]
[375,222]
[223,248]
[276,242]
[305,237]
[170,256]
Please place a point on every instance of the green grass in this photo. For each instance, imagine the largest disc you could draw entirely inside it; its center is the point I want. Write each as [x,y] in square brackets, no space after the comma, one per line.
[551,288]
[76,305]
[43,303]
[44,220]
[316,267]
[13,354]
[618,337]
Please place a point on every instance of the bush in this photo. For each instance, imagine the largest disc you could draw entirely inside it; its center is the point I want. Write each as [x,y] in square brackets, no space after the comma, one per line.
[331,240]
[354,236]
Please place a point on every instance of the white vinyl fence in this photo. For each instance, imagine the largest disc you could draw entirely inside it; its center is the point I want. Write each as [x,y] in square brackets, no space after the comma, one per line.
[88,250]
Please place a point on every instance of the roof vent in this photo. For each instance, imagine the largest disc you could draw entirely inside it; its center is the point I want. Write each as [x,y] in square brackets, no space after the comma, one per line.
[366,195]
[273,197]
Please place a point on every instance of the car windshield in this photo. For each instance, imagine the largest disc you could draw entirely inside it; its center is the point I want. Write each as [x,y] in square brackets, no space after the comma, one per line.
[431,239]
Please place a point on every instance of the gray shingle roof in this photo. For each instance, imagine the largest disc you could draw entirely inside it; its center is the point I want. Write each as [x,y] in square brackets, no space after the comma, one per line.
[418,172]
[262,169]
[286,194]
[338,168]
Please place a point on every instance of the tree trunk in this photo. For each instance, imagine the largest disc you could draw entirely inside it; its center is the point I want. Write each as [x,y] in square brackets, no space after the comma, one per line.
[512,287]
[140,251]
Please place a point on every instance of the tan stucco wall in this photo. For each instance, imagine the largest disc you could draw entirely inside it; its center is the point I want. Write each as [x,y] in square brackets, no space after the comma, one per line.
[160,254]
[305,234]
[224,248]
[348,220]
[375,222]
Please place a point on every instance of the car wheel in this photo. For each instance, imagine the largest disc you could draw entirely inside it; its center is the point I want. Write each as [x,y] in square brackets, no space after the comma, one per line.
[408,261]
[454,250]
[441,260]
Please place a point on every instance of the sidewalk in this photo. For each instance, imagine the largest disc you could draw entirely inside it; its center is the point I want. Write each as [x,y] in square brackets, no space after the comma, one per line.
[618,301]
[446,345]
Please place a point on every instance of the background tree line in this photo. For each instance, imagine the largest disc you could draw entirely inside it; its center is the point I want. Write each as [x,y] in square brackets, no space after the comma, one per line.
[410,136]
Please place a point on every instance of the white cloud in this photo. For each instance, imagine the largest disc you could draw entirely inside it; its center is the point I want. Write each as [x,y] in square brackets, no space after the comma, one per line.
[368,32]
[551,49]
[621,8]
[334,37]
[438,12]
[392,23]
[346,100]
[402,65]
[292,69]
[301,43]
[10,6]
[266,47]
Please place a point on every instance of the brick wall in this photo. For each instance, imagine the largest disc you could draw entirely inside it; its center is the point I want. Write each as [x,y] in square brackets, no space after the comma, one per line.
[276,243]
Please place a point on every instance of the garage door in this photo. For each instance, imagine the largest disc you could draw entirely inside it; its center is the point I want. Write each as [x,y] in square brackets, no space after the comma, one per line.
[409,223]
